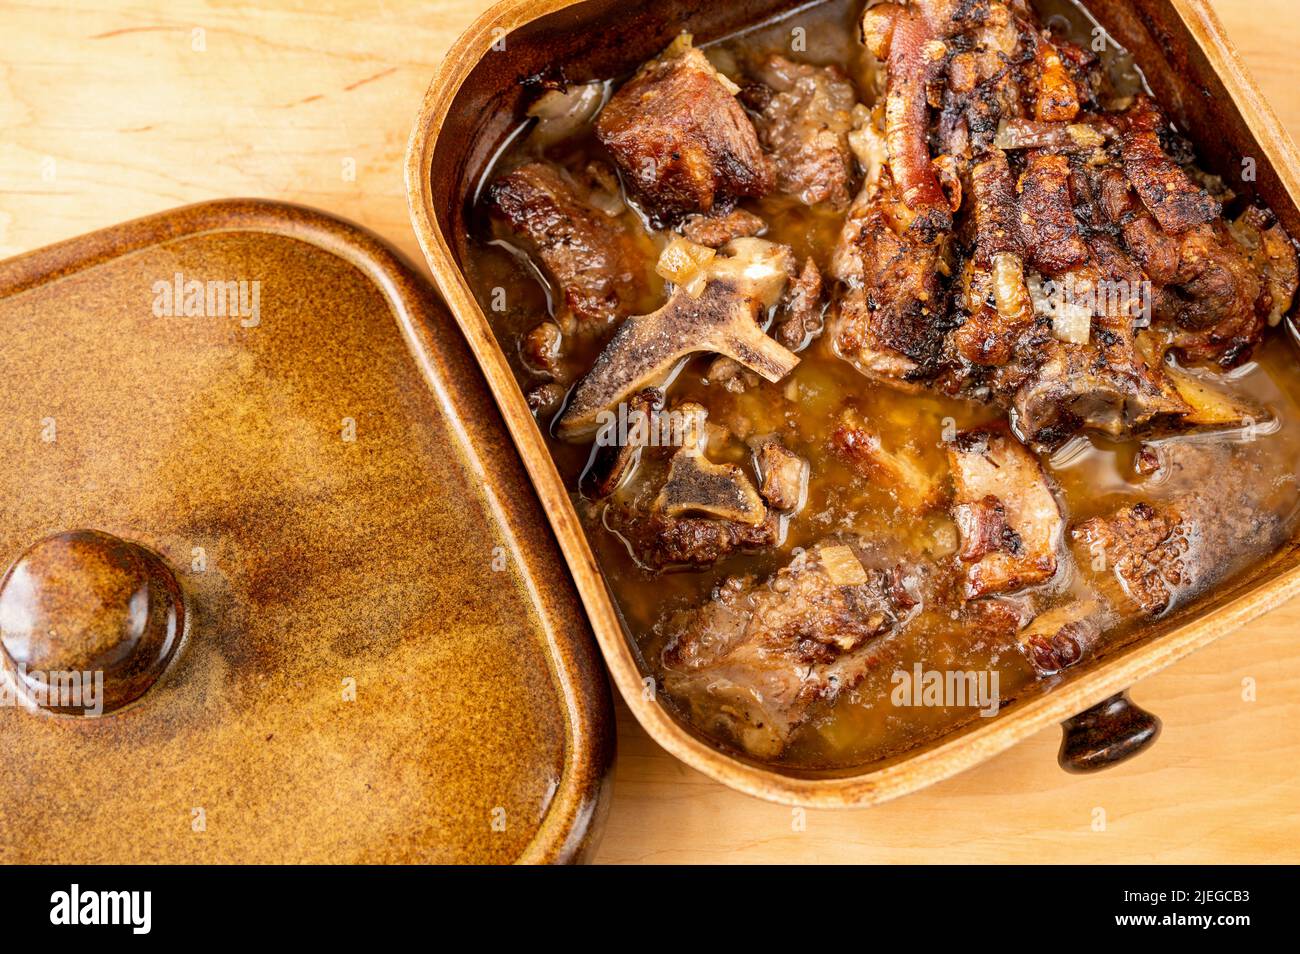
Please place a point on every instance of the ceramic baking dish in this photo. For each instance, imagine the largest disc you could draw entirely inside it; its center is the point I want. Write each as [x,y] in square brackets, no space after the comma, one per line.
[381,659]
[479,95]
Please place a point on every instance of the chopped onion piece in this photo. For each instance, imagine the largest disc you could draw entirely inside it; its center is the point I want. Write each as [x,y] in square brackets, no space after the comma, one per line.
[1084,135]
[842,566]
[561,113]
[1071,322]
[1009,292]
[685,264]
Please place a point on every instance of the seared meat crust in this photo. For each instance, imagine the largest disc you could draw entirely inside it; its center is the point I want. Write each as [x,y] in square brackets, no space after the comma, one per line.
[1170,196]
[590,256]
[682,140]
[804,122]
[1045,188]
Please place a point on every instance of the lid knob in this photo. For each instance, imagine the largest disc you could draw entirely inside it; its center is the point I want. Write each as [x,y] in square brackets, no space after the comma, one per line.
[88,621]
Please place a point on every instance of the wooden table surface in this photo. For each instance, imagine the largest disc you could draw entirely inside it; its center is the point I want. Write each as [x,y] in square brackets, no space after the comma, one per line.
[110,111]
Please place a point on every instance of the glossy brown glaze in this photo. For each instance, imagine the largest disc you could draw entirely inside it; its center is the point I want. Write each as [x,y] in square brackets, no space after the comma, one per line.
[1110,732]
[90,603]
[477,99]
[385,661]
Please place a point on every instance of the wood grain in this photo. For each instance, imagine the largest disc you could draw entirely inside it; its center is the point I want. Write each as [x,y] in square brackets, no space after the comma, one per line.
[111,111]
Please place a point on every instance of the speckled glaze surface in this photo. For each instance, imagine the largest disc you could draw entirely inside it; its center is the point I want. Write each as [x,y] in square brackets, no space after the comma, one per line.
[384,659]
[479,95]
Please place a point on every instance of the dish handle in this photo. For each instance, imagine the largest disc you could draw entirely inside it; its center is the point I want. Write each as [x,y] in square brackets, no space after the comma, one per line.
[1112,731]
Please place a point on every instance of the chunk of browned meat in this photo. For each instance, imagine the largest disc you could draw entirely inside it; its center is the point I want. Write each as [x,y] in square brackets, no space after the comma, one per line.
[897,472]
[1220,513]
[540,351]
[682,140]
[1176,202]
[1218,296]
[716,231]
[995,208]
[1009,520]
[783,474]
[1064,635]
[800,318]
[1220,314]
[761,658]
[888,319]
[1272,254]
[1147,548]
[1108,389]
[804,122]
[688,510]
[659,541]
[1049,229]
[1118,205]
[590,257]
[985,85]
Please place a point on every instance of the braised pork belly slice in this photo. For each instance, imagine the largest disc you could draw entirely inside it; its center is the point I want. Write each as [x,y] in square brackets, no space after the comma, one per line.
[591,258]
[681,139]
[1007,515]
[761,658]
[805,115]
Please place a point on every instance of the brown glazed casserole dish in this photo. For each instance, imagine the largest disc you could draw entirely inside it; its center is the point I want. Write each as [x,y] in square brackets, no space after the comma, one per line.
[367,649]
[479,97]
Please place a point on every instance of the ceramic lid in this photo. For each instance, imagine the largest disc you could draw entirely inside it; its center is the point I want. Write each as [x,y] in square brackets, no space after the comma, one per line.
[252,482]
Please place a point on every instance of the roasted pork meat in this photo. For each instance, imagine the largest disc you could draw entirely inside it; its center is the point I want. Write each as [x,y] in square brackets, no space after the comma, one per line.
[935,377]
[762,657]
[680,137]
[589,256]
[681,508]
[997,170]
[1150,557]
[805,115]
[1009,519]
